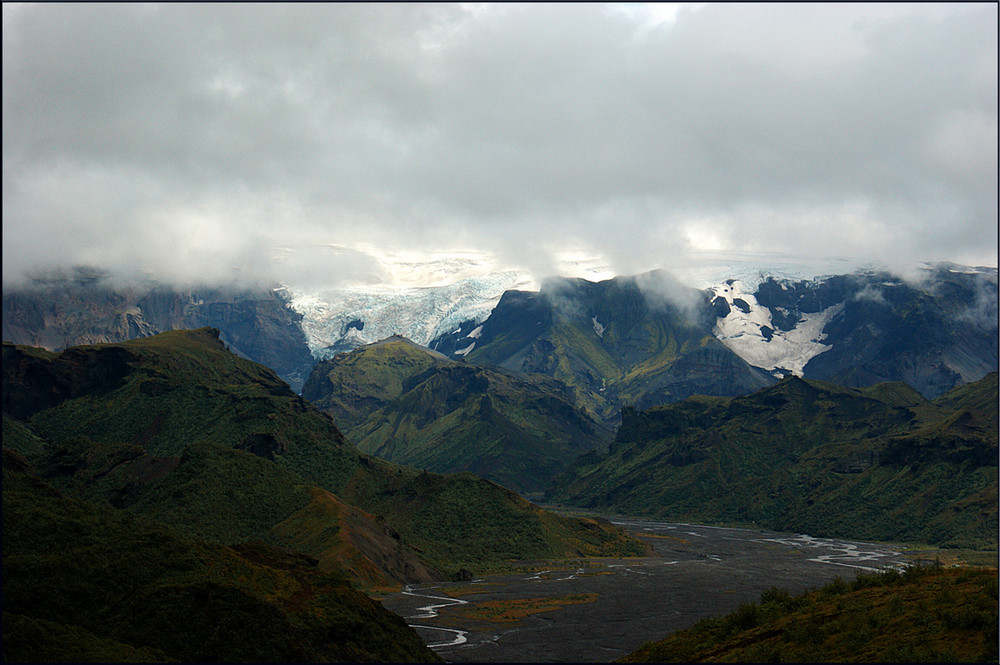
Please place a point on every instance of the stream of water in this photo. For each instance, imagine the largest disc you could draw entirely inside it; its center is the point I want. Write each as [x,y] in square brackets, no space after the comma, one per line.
[597,610]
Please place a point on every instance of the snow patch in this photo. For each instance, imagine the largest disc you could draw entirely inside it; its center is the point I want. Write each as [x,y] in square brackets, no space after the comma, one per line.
[420,314]
[466,350]
[742,332]
[476,332]
[598,328]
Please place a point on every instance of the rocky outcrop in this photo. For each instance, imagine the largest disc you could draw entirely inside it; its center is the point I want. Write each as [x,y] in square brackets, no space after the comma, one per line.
[32,383]
[255,323]
[935,334]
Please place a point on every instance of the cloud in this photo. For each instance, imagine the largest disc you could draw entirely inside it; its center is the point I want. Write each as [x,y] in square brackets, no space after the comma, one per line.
[216,142]
[871,294]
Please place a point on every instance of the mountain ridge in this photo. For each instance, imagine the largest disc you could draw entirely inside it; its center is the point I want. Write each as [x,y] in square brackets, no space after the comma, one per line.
[412,405]
[185,408]
[935,329]
[880,462]
[637,339]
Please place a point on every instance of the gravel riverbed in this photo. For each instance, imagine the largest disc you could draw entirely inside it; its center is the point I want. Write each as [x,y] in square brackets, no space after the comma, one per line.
[597,610]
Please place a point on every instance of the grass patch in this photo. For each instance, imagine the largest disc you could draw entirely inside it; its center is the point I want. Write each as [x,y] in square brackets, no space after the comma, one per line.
[508,611]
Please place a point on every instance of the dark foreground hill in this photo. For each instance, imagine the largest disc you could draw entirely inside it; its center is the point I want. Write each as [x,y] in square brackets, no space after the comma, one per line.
[879,463]
[86,582]
[177,428]
[918,616]
[411,405]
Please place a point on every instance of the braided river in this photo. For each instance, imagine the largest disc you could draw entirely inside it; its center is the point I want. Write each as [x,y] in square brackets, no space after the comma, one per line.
[597,610]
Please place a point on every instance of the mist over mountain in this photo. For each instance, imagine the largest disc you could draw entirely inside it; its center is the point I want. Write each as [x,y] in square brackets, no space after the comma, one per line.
[933,327]
[89,306]
[211,142]
[641,339]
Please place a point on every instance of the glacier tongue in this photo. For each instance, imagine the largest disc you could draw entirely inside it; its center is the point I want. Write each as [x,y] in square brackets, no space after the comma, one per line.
[423,299]
[330,316]
[748,332]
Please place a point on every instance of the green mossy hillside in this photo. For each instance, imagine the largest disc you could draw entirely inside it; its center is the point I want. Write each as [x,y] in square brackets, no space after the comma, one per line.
[629,340]
[177,428]
[410,405]
[351,386]
[460,518]
[922,615]
[165,392]
[85,582]
[878,463]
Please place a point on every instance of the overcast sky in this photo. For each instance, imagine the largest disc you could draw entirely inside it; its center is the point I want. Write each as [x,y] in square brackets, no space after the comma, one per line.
[213,141]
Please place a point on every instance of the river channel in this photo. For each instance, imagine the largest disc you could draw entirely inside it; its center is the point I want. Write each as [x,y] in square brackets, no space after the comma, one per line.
[597,610]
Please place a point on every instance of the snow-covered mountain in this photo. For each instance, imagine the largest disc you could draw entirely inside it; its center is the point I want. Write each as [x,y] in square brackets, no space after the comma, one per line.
[420,298]
[832,320]
[935,329]
[447,297]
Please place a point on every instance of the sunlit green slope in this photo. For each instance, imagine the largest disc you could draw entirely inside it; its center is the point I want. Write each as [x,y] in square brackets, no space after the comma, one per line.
[409,405]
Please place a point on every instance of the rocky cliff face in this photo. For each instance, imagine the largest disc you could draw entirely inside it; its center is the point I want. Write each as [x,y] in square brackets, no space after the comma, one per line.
[935,334]
[256,323]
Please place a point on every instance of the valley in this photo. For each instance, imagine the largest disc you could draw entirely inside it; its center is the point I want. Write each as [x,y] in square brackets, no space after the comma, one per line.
[500,332]
[401,468]
[598,610]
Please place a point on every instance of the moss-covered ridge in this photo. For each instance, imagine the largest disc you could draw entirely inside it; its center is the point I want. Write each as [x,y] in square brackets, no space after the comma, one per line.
[410,405]
[879,463]
[178,428]
[920,615]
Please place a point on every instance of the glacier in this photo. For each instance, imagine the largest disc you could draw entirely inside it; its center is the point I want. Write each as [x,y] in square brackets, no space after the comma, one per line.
[418,313]
[423,299]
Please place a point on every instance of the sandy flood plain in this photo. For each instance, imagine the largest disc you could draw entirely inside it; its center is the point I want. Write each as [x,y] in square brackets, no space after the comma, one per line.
[597,610]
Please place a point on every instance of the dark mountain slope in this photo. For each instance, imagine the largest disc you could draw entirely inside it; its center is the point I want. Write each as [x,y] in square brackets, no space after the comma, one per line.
[61,312]
[921,615]
[177,427]
[636,340]
[86,582]
[413,406]
[879,462]
[934,334]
